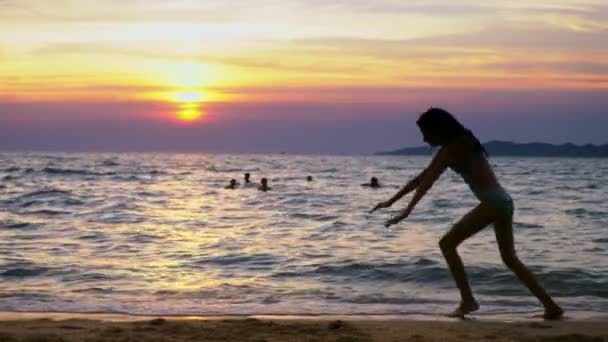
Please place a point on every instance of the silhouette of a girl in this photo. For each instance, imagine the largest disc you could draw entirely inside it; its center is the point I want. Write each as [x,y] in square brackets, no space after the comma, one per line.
[461,151]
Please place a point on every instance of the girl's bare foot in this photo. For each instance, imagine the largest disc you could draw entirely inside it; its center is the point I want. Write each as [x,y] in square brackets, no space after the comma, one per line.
[464,308]
[553,312]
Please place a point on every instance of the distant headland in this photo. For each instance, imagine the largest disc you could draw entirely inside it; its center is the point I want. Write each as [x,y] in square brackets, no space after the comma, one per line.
[508,148]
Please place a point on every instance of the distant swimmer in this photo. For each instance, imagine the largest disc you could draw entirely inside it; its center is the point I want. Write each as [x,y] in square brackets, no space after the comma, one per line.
[309,178]
[373,183]
[232,185]
[264,185]
[462,152]
[247,183]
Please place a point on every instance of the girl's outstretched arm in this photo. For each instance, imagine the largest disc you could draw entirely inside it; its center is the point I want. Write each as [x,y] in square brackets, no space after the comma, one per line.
[409,187]
[429,176]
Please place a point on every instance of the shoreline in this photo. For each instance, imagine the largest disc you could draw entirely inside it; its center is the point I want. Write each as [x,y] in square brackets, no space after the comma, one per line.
[570,316]
[128,317]
[94,327]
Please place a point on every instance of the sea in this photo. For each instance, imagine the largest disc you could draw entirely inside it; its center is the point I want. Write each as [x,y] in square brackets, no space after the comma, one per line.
[158,234]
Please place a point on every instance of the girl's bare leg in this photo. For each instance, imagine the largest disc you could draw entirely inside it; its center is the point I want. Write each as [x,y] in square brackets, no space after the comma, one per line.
[474,221]
[504,236]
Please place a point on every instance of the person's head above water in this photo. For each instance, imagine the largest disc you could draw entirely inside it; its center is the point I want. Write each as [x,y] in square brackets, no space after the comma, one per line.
[232,184]
[247,177]
[264,185]
[309,178]
[439,127]
[374,182]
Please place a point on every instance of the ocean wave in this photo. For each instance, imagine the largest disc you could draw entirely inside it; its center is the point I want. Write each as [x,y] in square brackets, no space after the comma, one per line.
[78,278]
[240,259]
[16,225]
[525,225]
[425,262]
[28,295]
[23,272]
[95,236]
[70,172]
[243,170]
[584,212]
[46,212]
[379,298]
[140,238]
[332,227]
[117,218]
[443,203]
[94,290]
[45,192]
[394,168]
[416,271]
[330,170]
[48,201]
[569,281]
[313,216]
[127,178]
[110,163]
[561,283]
[220,292]
[495,280]
[52,202]
[294,200]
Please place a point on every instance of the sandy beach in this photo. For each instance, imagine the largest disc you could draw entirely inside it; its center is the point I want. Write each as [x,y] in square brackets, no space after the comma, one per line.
[107,327]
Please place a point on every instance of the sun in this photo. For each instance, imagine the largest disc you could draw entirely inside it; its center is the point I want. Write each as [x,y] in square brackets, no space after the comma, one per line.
[189,114]
[188,103]
[186,89]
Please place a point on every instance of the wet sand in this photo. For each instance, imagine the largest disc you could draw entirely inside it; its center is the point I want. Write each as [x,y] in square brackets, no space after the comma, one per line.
[46,327]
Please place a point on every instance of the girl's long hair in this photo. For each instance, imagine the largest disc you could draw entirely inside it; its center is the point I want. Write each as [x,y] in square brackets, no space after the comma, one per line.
[444,128]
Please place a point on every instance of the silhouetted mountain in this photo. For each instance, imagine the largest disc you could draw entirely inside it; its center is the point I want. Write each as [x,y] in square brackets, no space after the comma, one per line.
[507,148]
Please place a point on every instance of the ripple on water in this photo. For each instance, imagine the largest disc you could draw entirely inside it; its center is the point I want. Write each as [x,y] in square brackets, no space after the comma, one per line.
[313,216]
[72,172]
[95,236]
[525,225]
[240,259]
[586,213]
[141,238]
[22,270]
[44,192]
[11,169]
[110,163]
[17,225]
[335,226]
[46,212]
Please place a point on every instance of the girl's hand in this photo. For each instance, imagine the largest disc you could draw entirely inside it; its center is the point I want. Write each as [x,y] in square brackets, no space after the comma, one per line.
[396,219]
[381,205]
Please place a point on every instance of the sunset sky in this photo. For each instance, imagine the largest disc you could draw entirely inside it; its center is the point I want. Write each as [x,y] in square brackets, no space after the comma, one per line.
[301,76]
